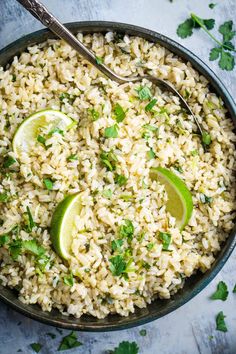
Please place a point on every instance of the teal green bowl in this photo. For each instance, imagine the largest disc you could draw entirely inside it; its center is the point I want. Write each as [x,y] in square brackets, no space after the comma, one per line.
[195,283]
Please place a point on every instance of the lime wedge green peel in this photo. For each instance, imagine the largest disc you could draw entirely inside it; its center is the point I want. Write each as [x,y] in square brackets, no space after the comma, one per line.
[63,222]
[180,203]
[29,129]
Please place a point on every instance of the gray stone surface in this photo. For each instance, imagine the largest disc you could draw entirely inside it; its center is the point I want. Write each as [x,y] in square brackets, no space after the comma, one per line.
[187,330]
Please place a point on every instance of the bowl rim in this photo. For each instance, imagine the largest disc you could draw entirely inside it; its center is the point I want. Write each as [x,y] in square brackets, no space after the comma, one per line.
[104,26]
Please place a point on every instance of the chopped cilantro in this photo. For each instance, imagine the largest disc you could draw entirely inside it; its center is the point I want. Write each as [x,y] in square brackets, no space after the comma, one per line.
[151,154]
[72,157]
[185,29]
[41,262]
[166,240]
[206,138]
[112,132]
[109,160]
[4,239]
[205,199]
[152,128]
[221,293]
[212,5]
[220,322]
[56,130]
[69,280]
[126,348]
[150,246]
[146,265]
[41,139]
[67,96]
[194,152]
[31,222]
[117,265]
[68,342]
[107,193]
[127,230]
[13,78]
[4,197]
[8,161]
[126,197]
[33,247]
[144,93]
[51,335]
[48,183]
[143,332]
[178,168]
[150,105]
[99,60]
[119,113]
[234,289]
[94,114]
[116,245]
[120,179]
[36,347]
[15,249]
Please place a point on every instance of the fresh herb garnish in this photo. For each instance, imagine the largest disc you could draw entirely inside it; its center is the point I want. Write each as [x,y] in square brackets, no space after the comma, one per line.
[56,130]
[94,114]
[221,293]
[150,105]
[4,197]
[150,246]
[8,161]
[68,342]
[119,113]
[112,132]
[13,78]
[41,262]
[143,332]
[166,240]
[220,322]
[126,348]
[15,249]
[36,347]
[99,60]
[206,138]
[72,157]
[151,154]
[117,265]
[48,183]
[178,168]
[41,139]
[107,193]
[224,48]
[127,230]
[205,199]
[144,93]
[234,289]
[33,247]
[120,179]
[4,239]
[212,5]
[51,335]
[109,160]
[151,128]
[68,97]
[116,245]
[194,152]
[69,280]
[31,222]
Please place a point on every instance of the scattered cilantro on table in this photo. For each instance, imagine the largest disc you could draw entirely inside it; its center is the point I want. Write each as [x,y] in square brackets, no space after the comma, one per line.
[221,293]
[222,52]
[220,322]
[234,289]
[68,342]
[212,5]
[126,348]
[36,347]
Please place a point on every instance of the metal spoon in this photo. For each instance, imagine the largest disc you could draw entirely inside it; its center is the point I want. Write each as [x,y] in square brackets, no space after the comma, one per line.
[41,13]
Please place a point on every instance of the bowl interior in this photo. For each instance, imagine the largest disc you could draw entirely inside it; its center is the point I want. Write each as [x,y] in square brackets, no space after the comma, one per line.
[195,283]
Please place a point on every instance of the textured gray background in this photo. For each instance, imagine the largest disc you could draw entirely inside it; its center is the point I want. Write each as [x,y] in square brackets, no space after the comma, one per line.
[187,330]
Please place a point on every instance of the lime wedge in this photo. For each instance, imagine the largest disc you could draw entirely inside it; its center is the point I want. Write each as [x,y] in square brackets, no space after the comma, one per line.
[179,204]
[30,128]
[63,222]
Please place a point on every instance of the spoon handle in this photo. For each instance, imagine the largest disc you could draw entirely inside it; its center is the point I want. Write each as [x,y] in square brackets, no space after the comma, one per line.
[40,12]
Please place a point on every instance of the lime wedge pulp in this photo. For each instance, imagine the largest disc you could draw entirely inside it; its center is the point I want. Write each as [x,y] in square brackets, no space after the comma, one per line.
[179,204]
[30,128]
[63,223]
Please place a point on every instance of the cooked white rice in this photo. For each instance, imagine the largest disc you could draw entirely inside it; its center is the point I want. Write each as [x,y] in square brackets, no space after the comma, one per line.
[36,80]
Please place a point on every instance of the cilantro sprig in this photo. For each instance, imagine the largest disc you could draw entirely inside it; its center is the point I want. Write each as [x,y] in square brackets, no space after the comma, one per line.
[126,348]
[221,292]
[224,49]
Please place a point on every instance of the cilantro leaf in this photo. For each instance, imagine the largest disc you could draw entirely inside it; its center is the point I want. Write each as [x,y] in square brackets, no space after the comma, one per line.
[69,280]
[166,240]
[227,61]
[119,113]
[234,289]
[206,138]
[15,248]
[112,132]
[226,30]
[151,154]
[107,193]
[41,139]
[99,60]
[220,322]
[116,245]
[221,293]
[144,93]
[33,247]
[68,342]
[117,265]
[185,29]
[31,222]
[212,5]
[36,347]
[210,23]
[120,179]
[214,53]
[4,197]
[126,348]
[205,199]
[48,183]
[150,105]
[8,161]
[109,160]
[127,230]
[94,114]
[72,157]
[56,130]
[143,332]
[228,46]
[4,239]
